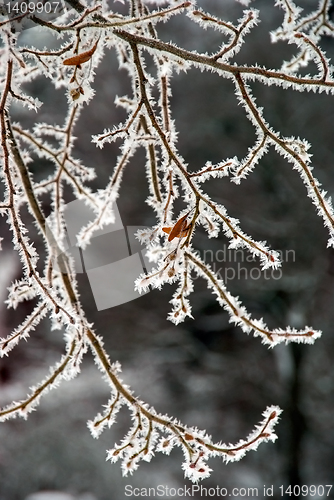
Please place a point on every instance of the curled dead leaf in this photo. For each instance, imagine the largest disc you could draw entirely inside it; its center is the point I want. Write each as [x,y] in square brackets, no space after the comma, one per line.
[81,58]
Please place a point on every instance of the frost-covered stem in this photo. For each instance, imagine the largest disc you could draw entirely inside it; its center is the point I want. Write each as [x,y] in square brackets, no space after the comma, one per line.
[256,152]
[126,127]
[153,162]
[316,49]
[224,296]
[119,168]
[283,146]
[79,7]
[109,414]
[66,148]
[25,178]
[4,97]
[45,386]
[148,17]
[208,17]
[276,77]
[182,170]
[192,224]
[99,352]
[115,179]
[48,53]
[40,219]
[148,124]
[6,131]
[102,22]
[71,294]
[169,196]
[11,19]
[289,10]
[48,24]
[22,331]
[164,103]
[261,434]
[211,169]
[4,134]
[237,31]
[54,155]
[132,8]
[270,336]
[323,9]
[86,13]
[184,289]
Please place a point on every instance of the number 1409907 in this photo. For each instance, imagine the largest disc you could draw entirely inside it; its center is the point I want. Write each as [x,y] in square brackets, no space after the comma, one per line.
[17,8]
[306,491]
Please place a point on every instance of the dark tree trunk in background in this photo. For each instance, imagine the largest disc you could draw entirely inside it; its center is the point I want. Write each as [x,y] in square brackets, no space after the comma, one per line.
[296,420]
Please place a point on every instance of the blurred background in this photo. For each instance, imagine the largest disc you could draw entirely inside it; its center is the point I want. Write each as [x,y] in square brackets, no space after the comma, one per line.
[204,372]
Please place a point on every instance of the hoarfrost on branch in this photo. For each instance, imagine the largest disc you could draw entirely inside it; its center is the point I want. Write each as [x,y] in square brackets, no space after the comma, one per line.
[85,34]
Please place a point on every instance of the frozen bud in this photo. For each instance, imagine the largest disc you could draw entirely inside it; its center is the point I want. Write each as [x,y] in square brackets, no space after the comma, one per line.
[265,435]
[171,272]
[75,94]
